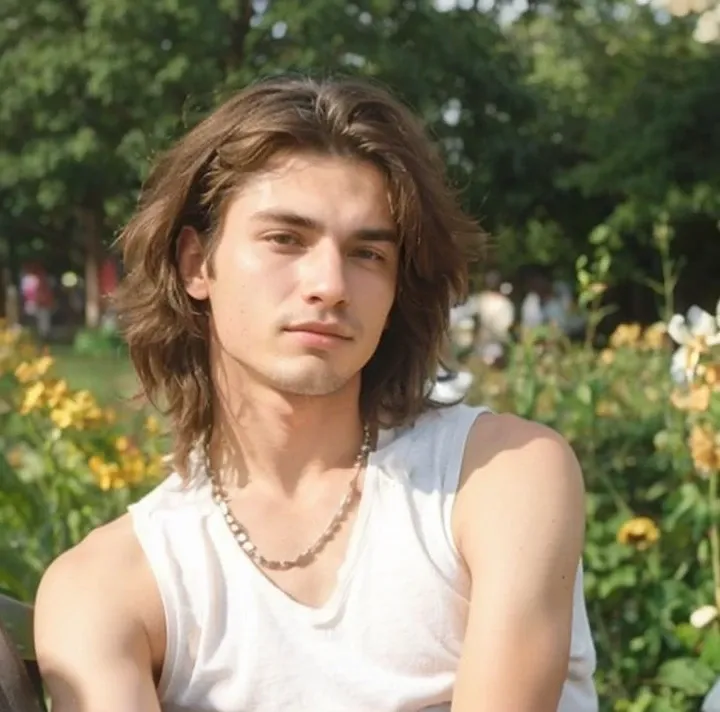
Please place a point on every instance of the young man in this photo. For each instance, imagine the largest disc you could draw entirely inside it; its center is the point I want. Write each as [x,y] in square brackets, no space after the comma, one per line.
[330,540]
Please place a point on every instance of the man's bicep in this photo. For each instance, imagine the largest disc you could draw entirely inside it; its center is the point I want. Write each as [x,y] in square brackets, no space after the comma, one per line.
[92,656]
[516,649]
[521,536]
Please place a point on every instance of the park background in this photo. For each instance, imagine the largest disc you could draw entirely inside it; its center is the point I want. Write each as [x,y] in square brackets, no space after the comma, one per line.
[585,136]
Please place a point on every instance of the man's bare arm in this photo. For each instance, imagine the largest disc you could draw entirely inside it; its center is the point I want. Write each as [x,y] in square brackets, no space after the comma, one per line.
[92,646]
[519,522]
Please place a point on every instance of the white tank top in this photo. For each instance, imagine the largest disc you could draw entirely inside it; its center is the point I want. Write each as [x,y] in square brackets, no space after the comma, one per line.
[388,640]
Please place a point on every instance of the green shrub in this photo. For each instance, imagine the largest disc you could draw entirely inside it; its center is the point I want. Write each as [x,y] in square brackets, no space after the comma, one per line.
[103,341]
[66,463]
[650,453]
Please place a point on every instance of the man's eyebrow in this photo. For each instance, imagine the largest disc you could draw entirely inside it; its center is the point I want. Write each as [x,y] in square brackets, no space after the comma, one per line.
[293,219]
[376,234]
[286,217]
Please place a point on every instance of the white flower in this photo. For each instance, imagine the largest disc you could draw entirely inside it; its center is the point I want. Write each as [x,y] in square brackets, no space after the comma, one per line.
[450,386]
[703,616]
[693,333]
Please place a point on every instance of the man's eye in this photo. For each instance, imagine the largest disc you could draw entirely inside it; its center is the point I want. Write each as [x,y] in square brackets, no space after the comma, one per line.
[370,255]
[284,239]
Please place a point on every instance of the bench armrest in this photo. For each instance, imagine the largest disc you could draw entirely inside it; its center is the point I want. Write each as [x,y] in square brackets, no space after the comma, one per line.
[17,619]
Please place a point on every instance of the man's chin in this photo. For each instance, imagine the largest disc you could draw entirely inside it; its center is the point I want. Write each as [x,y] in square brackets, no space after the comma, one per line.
[308,380]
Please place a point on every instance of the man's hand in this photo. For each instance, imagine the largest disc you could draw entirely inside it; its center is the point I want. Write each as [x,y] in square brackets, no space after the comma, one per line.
[519,524]
[91,641]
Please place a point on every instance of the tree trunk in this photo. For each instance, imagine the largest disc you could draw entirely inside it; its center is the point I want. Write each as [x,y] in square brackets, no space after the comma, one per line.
[91,224]
[9,283]
[4,279]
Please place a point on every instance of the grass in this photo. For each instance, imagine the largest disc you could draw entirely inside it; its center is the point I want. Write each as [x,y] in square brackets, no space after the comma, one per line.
[110,378]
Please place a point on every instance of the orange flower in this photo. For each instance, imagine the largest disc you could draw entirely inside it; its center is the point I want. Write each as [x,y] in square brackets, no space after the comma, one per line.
[625,335]
[640,532]
[696,398]
[711,374]
[655,336]
[703,449]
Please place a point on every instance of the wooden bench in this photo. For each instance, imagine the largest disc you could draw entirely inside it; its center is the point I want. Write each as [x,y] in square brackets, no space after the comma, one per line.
[21,687]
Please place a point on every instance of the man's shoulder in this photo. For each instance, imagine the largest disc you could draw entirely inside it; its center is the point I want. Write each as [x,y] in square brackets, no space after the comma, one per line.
[101,568]
[521,468]
[501,439]
[98,616]
[491,439]
[102,585]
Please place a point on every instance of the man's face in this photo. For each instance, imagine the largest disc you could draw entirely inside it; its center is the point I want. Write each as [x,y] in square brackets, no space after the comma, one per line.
[304,273]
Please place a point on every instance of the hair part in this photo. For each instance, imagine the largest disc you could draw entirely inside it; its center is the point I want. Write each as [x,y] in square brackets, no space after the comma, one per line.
[191,185]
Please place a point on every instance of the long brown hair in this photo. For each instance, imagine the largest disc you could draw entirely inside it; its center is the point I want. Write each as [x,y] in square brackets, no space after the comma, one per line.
[168,333]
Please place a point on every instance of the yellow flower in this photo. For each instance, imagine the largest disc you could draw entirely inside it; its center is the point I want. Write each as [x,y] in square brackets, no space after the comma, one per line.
[703,448]
[607,409]
[694,399]
[122,444]
[92,415]
[62,417]
[43,364]
[96,464]
[607,356]
[108,476]
[152,425]
[110,416]
[133,467]
[78,410]
[33,397]
[84,399]
[625,335]
[655,336]
[640,532]
[31,371]
[711,374]
[24,372]
[56,392]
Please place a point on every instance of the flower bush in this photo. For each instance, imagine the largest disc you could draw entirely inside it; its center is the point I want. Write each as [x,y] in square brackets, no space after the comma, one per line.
[644,420]
[67,463]
[642,415]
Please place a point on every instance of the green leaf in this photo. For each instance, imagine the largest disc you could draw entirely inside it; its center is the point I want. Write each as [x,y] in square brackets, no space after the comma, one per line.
[710,651]
[690,675]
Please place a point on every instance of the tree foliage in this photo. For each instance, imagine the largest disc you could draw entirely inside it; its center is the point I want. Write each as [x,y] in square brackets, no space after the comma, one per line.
[570,117]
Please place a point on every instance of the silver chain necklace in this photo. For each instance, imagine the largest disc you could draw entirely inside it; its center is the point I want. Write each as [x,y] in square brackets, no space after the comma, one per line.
[242,536]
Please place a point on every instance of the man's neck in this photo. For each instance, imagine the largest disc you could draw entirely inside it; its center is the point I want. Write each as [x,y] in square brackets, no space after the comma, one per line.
[282,441]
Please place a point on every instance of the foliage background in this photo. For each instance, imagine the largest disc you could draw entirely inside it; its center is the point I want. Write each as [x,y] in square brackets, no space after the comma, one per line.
[558,119]
[69,463]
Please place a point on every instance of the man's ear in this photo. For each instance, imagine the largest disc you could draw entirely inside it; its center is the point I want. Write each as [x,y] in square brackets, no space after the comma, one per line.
[191,264]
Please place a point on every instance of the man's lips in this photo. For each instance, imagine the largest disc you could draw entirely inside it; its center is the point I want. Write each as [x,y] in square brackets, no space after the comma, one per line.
[326,329]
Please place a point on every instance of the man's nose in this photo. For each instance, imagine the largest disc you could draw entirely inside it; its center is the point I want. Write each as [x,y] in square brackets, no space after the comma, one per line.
[324,274]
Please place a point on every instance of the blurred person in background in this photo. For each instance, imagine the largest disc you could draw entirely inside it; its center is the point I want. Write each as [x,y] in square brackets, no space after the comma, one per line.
[496,315]
[38,298]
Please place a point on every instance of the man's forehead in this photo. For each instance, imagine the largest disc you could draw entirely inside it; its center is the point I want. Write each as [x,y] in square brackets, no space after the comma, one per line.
[318,189]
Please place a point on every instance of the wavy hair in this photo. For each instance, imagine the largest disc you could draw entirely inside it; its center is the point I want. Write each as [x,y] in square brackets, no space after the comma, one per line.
[167,332]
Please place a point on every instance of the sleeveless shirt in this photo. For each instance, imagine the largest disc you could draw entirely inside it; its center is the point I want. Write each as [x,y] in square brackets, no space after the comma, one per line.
[390,637]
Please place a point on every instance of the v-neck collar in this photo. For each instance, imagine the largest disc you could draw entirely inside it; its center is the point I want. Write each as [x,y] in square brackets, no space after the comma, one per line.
[326,612]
